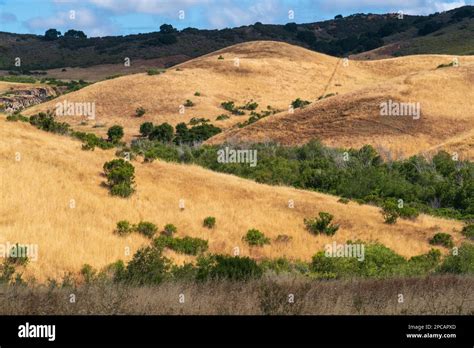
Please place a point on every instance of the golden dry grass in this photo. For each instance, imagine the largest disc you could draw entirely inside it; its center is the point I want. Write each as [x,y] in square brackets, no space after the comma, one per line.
[12,86]
[353,119]
[275,73]
[36,192]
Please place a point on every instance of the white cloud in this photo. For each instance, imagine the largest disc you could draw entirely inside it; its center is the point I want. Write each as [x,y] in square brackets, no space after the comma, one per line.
[408,6]
[83,19]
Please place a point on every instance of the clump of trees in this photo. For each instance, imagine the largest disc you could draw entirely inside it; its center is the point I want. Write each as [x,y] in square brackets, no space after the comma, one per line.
[165,134]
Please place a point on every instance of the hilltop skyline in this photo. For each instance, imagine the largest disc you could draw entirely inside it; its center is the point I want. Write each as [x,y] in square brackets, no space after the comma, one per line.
[119,17]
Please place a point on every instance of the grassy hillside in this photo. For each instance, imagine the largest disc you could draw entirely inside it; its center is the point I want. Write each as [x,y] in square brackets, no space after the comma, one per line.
[51,171]
[275,74]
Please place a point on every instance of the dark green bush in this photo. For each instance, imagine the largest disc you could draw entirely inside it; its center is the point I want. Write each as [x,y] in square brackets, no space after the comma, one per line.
[88,273]
[461,262]
[468,231]
[209,222]
[299,103]
[17,117]
[115,133]
[146,128]
[390,211]
[186,245]
[256,238]
[189,103]
[233,268]
[120,177]
[47,122]
[140,112]
[443,239]
[148,267]
[321,225]
[379,261]
[122,189]
[228,105]
[163,133]
[170,229]
[124,228]
[222,117]
[148,229]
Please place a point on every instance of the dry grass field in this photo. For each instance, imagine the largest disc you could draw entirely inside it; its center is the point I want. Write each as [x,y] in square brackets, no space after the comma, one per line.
[42,172]
[274,73]
[11,86]
[269,296]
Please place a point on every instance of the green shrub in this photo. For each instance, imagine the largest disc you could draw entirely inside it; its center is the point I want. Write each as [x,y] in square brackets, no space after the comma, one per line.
[344,200]
[250,106]
[299,103]
[195,120]
[88,272]
[423,264]
[91,140]
[122,189]
[17,117]
[124,228]
[408,212]
[222,117]
[189,103]
[120,177]
[186,245]
[148,229]
[379,262]
[321,224]
[146,128]
[148,267]
[445,65]
[228,105]
[115,133]
[197,94]
[460,263]
[256,238]
[443,239]
[220,57]
[154,71]
[47,122]
[390,211]
[170,229]
[468,231]
[209,222]
[234,268]
[140,112]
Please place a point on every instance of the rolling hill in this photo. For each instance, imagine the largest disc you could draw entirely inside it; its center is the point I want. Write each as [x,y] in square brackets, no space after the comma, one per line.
[42,173]
[354,119]
[274,74]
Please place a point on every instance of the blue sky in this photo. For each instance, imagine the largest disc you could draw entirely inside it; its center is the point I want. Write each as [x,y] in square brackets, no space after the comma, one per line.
[122,17]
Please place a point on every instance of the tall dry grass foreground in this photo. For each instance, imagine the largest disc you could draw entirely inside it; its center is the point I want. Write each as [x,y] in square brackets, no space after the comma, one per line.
[274,295]
[41,173]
